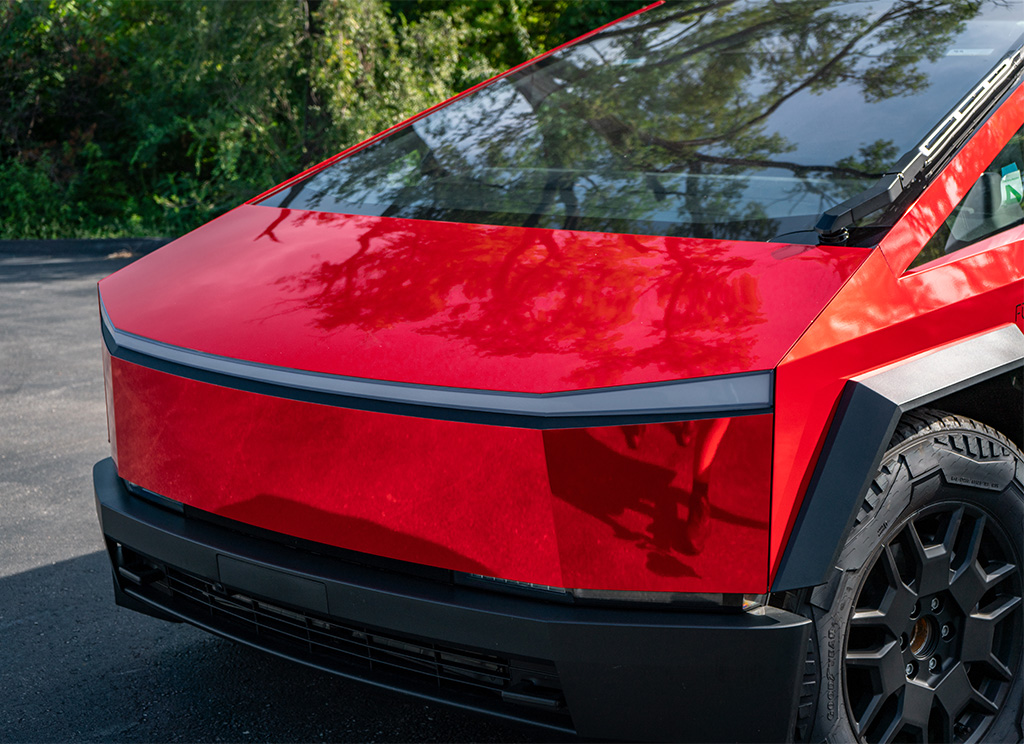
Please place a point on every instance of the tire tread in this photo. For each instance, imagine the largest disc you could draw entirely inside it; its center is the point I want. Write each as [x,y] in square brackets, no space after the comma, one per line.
[932,420]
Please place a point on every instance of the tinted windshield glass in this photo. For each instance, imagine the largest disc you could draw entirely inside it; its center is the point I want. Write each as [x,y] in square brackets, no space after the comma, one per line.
[740,120]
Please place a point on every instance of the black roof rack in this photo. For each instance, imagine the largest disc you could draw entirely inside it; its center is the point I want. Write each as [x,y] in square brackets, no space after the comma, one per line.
[833,225]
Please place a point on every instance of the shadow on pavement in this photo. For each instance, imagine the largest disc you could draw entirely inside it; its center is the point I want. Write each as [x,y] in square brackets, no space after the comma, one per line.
[74,667]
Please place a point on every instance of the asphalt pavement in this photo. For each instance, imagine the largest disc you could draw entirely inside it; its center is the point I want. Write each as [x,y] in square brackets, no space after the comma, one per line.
[73,667]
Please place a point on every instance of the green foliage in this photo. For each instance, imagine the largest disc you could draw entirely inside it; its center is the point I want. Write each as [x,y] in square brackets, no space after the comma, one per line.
[127,117]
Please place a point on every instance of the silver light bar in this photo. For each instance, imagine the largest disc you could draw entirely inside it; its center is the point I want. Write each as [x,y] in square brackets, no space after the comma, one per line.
[739,392]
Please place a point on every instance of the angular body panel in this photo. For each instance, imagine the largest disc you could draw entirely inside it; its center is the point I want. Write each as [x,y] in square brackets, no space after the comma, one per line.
[886,313]
[595,508]
[474,306]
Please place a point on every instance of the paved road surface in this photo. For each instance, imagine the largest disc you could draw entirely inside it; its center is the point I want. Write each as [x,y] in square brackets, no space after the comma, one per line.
[73,667]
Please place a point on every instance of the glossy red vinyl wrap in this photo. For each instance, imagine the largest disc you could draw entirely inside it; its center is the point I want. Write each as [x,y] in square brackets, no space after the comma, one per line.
[598,508]
[474,306]
[470,306]
[886,313]
[531,310]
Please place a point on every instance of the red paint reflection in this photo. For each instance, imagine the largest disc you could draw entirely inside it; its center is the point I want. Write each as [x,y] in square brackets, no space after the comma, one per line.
[475,306]
[358,534]
[650,501]
[614,304]
[662,507]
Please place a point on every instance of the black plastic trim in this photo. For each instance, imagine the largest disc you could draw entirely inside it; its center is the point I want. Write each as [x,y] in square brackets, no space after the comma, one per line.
[833,223]
[865,420]
[725,395]
[625,673]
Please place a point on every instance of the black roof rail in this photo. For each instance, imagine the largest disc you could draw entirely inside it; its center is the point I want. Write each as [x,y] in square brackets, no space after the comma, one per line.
[833,225]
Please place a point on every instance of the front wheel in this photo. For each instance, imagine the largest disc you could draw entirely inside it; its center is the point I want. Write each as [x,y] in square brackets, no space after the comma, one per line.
[920,631]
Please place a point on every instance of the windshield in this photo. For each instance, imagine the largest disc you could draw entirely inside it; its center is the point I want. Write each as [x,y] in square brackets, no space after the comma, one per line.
[738,120]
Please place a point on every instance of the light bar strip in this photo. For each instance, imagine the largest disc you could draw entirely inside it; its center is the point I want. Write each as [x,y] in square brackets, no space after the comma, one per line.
[741,392]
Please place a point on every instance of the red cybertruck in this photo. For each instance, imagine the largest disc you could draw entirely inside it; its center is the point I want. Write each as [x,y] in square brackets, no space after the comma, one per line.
[665,387]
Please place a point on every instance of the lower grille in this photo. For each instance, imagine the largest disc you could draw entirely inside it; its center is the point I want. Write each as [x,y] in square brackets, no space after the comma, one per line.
[454,674]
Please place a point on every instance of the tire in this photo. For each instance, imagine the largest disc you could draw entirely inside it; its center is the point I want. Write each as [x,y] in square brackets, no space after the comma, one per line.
[919,633]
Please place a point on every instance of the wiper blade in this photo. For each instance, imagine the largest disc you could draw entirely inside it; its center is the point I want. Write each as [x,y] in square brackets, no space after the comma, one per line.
[833,225]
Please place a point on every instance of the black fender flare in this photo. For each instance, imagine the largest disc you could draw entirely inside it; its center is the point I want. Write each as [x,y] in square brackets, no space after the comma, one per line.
[866,417]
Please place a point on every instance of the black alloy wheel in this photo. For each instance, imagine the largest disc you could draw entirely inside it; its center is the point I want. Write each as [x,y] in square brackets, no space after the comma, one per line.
[919,634]
[931,652]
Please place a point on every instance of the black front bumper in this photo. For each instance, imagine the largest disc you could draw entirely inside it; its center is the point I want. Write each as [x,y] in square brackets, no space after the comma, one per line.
[600,672]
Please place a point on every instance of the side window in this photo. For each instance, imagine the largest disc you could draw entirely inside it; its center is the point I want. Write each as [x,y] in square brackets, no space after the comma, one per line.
[994,203]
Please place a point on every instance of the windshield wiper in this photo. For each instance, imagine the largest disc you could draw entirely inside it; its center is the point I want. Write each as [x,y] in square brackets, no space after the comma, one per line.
[833,226]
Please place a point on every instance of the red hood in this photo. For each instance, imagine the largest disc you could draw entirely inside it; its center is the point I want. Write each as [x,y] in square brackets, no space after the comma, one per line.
[474,306]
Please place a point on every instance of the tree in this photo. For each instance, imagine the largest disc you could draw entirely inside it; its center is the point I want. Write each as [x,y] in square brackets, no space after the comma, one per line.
[131,117]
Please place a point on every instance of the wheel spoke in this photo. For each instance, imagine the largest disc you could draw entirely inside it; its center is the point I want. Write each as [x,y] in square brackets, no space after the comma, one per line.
[953,529]
[893,615]
[891,569]
[895,607]
[987,706]
[1000,668]
[868,618]
[867,718]
[947,721]
[920,552]
[887,661]
[954,692]
[995,614]
[969,581]
[894,727]
[979,635]
[932,563]
[917,705]
[968,586]
[976,530]
[901,599]
[996,576]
